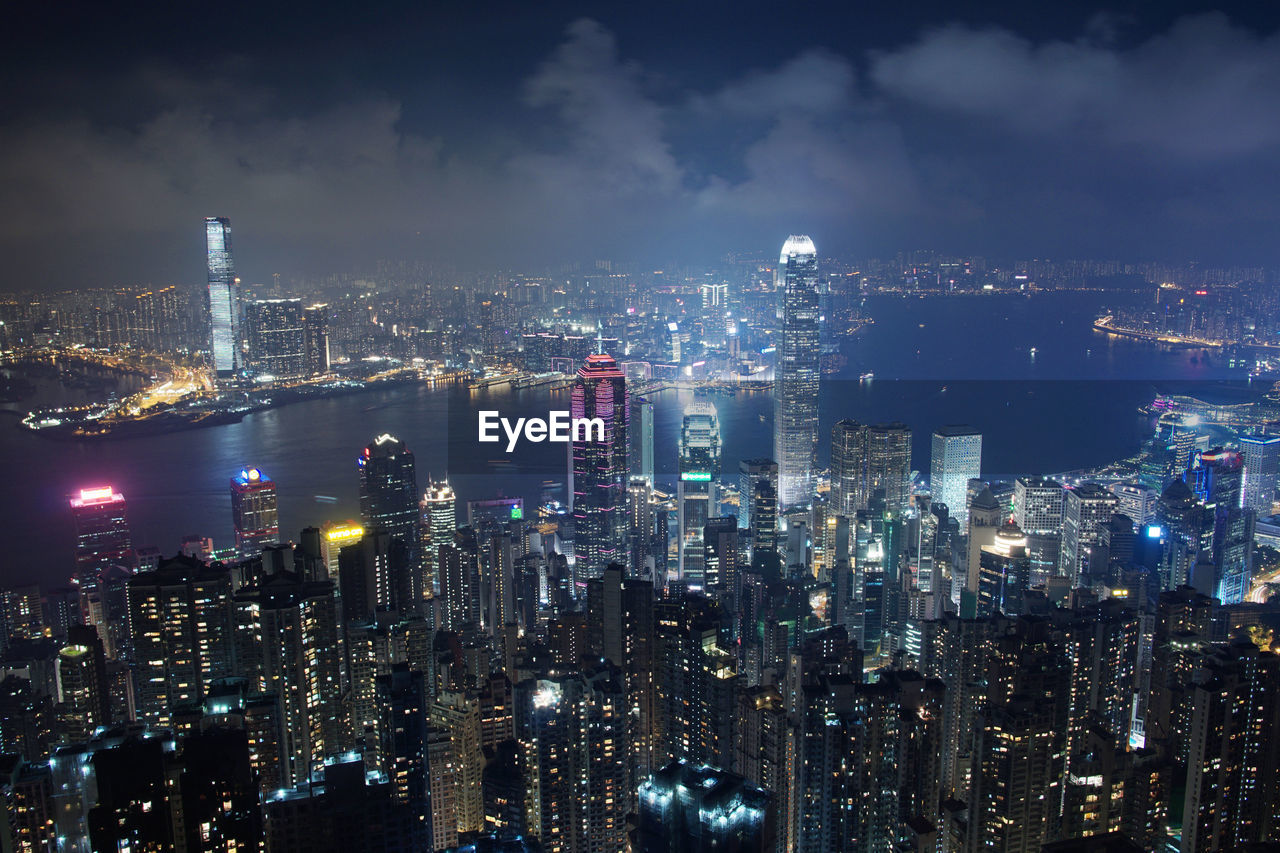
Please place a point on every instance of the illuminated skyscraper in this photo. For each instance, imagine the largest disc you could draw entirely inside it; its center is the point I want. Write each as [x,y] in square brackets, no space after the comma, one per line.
[439,509]
[81,692]
[870,460]
[1085,510]
[315,339]
[389,491]
[277,339]
[642,440]
[224,297]
[253,512]
[795,399]
[956,459]
[102,529]
[286,642]
[699,480]
[334,536]
[599,467]
[1261,471]
[1037,510]
[758,502]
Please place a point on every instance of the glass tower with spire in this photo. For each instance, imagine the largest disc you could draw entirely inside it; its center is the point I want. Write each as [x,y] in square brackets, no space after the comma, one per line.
[795,398]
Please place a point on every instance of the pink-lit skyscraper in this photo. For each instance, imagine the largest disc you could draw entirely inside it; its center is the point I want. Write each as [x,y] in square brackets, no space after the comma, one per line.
[599,468]
[102,529]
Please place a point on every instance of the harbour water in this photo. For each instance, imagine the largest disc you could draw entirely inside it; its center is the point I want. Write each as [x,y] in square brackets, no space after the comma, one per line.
[1071,404]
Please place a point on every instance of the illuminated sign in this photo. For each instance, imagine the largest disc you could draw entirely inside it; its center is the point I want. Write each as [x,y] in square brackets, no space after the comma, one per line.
[353,531]
[516,513]
[101,493]
[696,476]
[1155,531]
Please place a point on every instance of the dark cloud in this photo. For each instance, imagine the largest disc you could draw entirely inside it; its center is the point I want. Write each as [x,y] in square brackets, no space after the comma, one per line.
[972,138]
[1204,90]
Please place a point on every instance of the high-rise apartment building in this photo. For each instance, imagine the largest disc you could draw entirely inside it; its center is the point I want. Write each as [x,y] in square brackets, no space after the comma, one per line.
[275,329]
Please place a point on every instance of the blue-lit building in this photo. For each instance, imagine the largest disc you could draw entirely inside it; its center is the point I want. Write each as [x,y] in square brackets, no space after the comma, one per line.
[224,298]
[688,809]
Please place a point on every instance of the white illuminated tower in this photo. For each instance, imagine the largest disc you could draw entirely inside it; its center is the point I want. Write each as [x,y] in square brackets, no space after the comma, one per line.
[1261,471]
[224,299]
[956,459]
[795,398]
[696,491]
[439,509]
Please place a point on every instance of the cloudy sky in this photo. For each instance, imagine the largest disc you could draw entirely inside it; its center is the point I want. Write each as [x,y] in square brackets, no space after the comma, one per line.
[491,135]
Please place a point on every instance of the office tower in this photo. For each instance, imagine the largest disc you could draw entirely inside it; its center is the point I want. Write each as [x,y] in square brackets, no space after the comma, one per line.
[1004,573]
[1136,501]
[224,298]
[1085,510]
[1037,510]
[642,464]
[254,514]
[1217,477]
[795,401]
[439,511]
[956,459]
[374,575]
[848,466]
[181,631]
[1261,471]
[81,692]
[575,730]
[697,491]
[870,460]
[1185,528]
[286,640]
[1233,769]
[758,502]
[599,468]
[102,529]
[691,809]
[389,495]
[334,536]
[277,339]
[315,339]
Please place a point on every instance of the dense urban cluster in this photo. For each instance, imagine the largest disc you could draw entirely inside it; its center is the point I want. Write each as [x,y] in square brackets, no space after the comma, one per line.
[771,656]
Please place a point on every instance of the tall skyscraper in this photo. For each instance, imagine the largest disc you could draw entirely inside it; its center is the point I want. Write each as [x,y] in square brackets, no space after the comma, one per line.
[870,460]
[254,515]
[286,641]
[180,622]
[1261,471]
[758,502]
[315,339]
[696,492]
[102,529]
[224,297]
[956,459]
[389,491]
[599,468]
[642,439]
[439,508]
[795,401]
[1037,510]
[1085,510]
[277,339]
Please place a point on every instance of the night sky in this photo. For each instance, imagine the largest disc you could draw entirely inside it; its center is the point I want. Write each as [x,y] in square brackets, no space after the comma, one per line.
[521,134]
